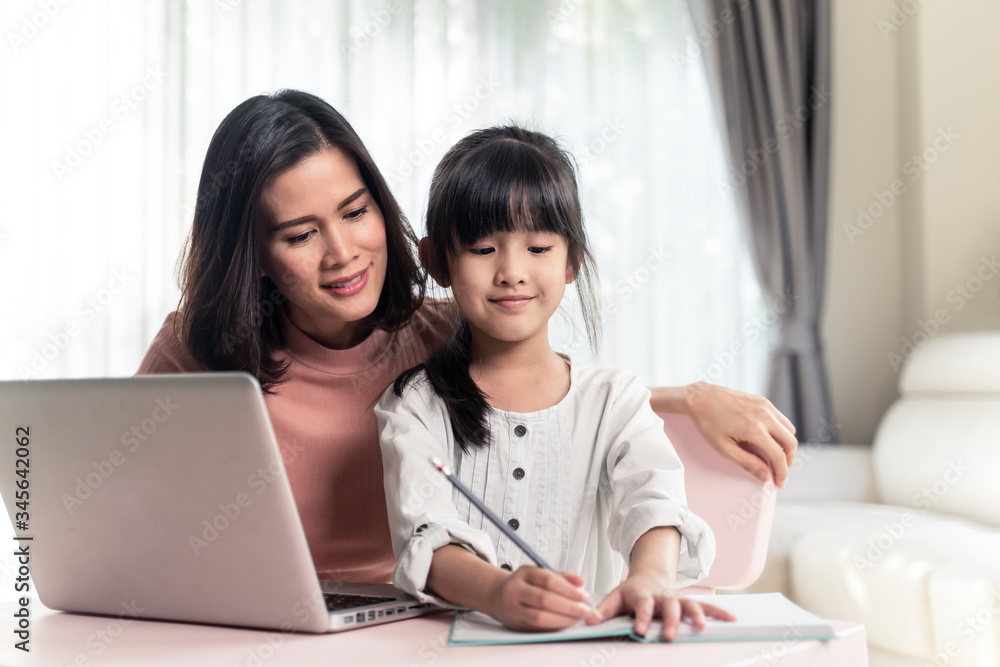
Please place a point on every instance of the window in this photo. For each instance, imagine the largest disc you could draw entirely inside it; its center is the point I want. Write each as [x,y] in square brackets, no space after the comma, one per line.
[116,103]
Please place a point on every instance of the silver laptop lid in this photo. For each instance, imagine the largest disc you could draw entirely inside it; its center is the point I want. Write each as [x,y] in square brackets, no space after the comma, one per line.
[159,496]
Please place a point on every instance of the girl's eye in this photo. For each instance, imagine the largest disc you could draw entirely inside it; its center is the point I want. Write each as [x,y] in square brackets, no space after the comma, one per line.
[354,215]
[301,238]
[538,250]
[480,251]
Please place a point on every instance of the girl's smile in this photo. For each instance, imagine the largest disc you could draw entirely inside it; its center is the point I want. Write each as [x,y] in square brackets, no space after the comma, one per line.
[509,285]
[512,301]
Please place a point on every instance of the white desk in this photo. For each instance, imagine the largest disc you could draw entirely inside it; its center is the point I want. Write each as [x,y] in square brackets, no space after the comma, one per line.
[60,639]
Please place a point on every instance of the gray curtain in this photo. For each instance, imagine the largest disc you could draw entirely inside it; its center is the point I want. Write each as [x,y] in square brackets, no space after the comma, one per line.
[768,64]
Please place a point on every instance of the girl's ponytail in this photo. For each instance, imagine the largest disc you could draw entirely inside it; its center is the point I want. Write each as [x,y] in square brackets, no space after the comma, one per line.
[448,372]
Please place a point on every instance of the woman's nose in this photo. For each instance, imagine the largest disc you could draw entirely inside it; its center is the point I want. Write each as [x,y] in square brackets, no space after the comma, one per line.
[339,247]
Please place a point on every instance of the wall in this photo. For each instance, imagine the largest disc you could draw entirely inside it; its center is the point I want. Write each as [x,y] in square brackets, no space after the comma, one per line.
[863,311]
[907,75]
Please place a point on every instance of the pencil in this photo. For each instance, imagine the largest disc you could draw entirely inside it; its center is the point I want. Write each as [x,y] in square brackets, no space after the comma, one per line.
[497,521]
[488,513]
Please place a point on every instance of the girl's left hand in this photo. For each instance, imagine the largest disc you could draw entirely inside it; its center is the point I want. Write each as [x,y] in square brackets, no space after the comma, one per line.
[648,596]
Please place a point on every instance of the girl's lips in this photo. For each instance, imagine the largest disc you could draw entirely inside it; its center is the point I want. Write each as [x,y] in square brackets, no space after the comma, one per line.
[512,303]
[351,286]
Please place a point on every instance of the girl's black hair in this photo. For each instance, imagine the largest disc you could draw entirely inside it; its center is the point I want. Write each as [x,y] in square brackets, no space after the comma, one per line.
[227,316]
[497,180]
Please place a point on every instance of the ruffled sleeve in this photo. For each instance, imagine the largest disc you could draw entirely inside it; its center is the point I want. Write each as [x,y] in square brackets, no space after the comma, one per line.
[422,516]
[647,484]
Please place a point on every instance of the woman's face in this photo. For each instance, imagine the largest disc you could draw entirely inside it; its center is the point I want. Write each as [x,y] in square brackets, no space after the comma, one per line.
[322,242]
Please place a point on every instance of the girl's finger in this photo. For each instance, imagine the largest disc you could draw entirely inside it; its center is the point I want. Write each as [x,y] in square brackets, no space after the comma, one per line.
[538,619]
[540,599]
[692,610]
[572,577]
[719,613]
[550,581]
[644,609]
[610,606]
[670,608]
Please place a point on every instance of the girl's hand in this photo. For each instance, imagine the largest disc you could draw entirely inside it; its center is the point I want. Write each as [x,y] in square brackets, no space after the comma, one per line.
[533,598]
[649,595]
[729,420]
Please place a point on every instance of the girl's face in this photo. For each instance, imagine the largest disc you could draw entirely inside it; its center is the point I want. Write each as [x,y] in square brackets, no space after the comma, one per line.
[322,242]
[508,285]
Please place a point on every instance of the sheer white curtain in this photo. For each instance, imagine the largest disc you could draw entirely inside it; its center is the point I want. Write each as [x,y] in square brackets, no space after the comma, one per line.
[611,79]
[87,240]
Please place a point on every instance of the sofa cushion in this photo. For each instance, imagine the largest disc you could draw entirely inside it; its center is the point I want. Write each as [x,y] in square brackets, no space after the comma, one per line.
[955,363]
[912,577]
[942,455]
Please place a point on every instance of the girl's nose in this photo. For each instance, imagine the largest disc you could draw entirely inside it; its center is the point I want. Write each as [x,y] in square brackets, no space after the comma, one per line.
[510,270]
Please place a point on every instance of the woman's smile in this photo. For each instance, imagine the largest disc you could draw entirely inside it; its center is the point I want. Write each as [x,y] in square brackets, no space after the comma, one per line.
[350,285]
[324,247]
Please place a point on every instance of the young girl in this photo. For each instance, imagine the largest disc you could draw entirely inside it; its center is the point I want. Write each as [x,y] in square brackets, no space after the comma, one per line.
[573,458]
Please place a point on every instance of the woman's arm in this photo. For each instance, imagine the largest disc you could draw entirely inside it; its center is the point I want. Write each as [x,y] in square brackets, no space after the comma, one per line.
[730,420]
[529,599]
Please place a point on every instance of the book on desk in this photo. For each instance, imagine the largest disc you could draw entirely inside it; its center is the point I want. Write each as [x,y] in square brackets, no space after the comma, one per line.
[760,617]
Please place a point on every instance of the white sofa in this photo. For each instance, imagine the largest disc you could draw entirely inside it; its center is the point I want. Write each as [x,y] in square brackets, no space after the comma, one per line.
[904,536]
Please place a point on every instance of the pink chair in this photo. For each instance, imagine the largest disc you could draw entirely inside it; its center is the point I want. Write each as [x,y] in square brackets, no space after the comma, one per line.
[738,507]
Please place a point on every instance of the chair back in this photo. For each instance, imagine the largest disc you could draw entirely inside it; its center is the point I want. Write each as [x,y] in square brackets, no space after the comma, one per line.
[738,507]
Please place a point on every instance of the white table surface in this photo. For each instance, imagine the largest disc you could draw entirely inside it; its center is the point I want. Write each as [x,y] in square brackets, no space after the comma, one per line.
[61,639]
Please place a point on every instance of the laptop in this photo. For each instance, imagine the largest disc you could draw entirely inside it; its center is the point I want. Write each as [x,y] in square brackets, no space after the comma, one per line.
[165,497]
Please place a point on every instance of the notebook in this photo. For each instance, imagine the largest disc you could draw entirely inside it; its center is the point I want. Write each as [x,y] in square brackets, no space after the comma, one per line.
[165,497]
[760,617]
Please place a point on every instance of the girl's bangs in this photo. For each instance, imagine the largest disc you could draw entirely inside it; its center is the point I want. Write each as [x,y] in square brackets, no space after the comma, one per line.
[511,190]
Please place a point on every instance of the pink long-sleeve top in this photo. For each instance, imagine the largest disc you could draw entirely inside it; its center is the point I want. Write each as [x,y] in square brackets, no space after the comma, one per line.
[326,428]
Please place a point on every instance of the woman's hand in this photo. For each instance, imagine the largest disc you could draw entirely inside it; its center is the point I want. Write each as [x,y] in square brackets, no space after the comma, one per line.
[733,423]
[533,598]
[649,595]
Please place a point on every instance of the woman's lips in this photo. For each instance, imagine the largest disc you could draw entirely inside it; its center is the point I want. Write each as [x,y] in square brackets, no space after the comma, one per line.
[350,286]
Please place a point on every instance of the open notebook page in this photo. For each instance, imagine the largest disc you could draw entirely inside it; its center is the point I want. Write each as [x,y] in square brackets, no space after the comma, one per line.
[760,617]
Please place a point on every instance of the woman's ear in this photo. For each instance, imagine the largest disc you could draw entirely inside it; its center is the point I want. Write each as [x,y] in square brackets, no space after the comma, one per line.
[427,260]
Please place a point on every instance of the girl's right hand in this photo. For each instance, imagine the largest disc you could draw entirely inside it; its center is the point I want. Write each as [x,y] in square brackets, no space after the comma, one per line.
[536,599]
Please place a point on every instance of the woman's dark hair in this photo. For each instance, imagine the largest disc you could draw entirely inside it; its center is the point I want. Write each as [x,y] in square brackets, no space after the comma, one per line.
[497,180]
[227,312]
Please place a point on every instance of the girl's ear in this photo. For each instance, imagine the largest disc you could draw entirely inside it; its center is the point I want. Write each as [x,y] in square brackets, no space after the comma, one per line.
[427,259]
[570,272]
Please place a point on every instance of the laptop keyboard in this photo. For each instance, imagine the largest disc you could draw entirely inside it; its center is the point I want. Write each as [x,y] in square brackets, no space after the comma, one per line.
[336,601]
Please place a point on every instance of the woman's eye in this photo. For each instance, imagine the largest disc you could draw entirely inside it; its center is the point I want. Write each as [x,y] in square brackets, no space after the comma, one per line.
[354,215]
[301,238]
[538,250]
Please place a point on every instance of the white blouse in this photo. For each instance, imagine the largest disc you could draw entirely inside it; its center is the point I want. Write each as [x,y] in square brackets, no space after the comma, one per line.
[580,481]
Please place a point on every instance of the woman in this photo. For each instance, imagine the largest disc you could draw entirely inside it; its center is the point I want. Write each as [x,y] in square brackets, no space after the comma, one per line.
[300,270]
